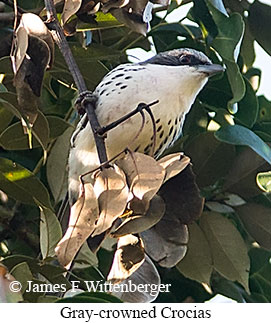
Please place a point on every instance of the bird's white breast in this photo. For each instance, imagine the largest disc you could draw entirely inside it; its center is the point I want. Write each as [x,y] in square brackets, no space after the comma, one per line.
[176,88]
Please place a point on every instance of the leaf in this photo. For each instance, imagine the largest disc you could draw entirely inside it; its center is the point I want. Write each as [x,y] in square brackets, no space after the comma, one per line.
[103,297]
[223,237]
[248,107]
[230,32]
[21,47]
[241,178]
[259,27]
[145,275]
[112,192]
[6,117]
[173,164]
[14,138]
[182,197]
[219,5]
[264,109]
[22,185]
[197,263]
[6,295]
[166,242]
[211,159]
[70,8]
[239,135]
[23,274]
[236,81]
[50,232]
[56,167]
[84,213]
[227,44]
[57,126]
[128,257]
[85,258]
[8,100]
[144,175]
[264,181]
[138,223]
[257,221]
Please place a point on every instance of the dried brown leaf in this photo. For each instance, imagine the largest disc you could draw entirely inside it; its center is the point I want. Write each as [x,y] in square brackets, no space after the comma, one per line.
[112,192]
[83,216]
[144,175]
[139,223]
[128,257]
[174,164]
[182,197]
[20,48]
[70,8]
[146,274]
[166,242]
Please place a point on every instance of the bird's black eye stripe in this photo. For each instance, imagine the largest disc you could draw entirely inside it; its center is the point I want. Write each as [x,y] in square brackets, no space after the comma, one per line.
[186,59]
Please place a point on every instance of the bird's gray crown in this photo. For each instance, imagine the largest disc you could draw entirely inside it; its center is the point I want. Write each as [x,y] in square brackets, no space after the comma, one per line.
[182,56]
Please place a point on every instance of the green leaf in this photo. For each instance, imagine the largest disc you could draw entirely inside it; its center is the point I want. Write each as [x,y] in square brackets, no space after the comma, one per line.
[223,237]
[57,126]
[13,138]
[236,81]
[259,20]
[248,107]
[264,181]
[21,184]
[6,117]
[260,282]
[239,135]
[23,274]
[56,165]
[85,258]
[50,232]
[102,21]
[241,178]
[257,221]
[264,109]
[247,48]
[197,263]
[227,44]
[230,32]
[211,159]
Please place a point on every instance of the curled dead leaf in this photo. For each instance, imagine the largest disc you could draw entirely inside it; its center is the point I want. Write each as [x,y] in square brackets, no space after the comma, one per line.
[166,242]
[128,257]
[83,216]
[70,8]
[146,275]
[174,164]
[144,175]
[112,192]
[139,223]
[182,197]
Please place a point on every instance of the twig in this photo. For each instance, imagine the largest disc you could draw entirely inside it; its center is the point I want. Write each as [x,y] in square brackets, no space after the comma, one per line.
[114,124]
[60,40]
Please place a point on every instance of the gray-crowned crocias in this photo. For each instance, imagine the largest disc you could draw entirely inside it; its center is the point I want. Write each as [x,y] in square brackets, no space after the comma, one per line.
[174,78]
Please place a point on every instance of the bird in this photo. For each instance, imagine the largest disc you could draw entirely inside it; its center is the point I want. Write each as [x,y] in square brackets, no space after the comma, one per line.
[173,78]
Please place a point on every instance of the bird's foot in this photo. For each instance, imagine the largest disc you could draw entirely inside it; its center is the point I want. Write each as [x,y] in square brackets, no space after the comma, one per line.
[84,98]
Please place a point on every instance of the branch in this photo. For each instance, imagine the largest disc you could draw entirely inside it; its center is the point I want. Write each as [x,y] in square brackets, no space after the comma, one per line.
[60,40]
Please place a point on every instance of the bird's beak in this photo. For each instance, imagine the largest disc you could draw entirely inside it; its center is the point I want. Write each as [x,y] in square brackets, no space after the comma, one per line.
[211,69]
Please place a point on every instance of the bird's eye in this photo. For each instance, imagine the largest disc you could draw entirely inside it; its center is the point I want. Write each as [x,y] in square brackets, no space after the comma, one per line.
[185,59]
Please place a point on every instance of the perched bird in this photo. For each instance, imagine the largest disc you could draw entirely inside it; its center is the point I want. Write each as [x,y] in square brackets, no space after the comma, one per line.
[174,78]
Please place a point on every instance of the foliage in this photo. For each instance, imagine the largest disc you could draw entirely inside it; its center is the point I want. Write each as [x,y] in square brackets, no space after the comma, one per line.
[226,135]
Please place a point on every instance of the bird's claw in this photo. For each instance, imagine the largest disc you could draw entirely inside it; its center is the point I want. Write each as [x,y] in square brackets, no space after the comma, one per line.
[83,98]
